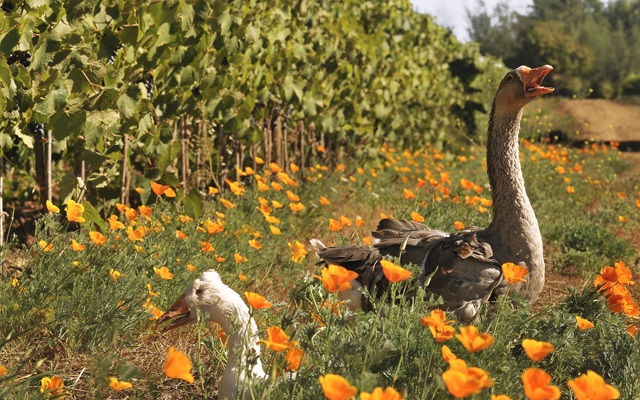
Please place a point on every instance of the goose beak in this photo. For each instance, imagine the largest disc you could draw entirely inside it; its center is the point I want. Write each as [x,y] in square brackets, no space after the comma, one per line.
[532,78]
[178,309]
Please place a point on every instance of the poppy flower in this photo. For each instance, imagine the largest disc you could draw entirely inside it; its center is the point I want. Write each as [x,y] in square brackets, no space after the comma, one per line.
[458,225]
[584,324]
[277,339]
[255,244]
[447,354]
[75,246]
[336,278]
[609,276]
[463,381]
[236,187]
[295,207]
[334,225]
[378,394]
[536,350]
[275,230]
[163,272]
[257,301]
[440,328]
[500,397]
[151,292]
[472,340]
[178,365]
[117,385]
[299,251]
[242,277]
[97,238]
[136,235]
[514,273]
[408,194]
[74,211]
[214,227]
[3,370]
[181,235]
[415,217]
[145,211]
[160,190]
[239,259]
[536,385]
[226,203]
[191,267]
[394,273]
[46,247]
[53,386]
[51,207]
[571,190]
[115,275]
[324,201]
[293,357]
[359,221]
[114,224]
[207,247]
[276,204]
[336,387]
[591,386]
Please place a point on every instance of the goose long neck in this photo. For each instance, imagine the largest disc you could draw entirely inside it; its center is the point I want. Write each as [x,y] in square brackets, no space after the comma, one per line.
[514,227]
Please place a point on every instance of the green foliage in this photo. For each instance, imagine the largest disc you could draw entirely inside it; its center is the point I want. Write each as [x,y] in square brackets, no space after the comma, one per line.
[592,44]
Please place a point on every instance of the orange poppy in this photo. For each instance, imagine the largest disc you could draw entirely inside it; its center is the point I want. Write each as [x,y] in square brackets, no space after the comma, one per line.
[462,381]
[74,211]
[415,217]
[447,354]
[336,278]
[536,350]
[334,225]
[440,328]
[584,324]
[114,224]
[178,365]
[324,201]
[408,194]
[472,340]
[393,272]
[53,386]
[117,385]
[163,272]
[255,244]
[257,301]
[277,339]
[294,357]
[336,387]
[378,394]
[591,386]
[75,246]
[514,273]
[299,251]
[97,238]
[239,259]
[51,207]
[536,385]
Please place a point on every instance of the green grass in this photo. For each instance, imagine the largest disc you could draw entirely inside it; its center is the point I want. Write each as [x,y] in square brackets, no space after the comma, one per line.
[76,321]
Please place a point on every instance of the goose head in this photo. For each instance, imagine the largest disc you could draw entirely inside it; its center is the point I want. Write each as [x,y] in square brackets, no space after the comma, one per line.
[520,86]
[217,301]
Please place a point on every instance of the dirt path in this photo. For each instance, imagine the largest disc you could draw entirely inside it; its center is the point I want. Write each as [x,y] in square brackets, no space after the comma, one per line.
[604,120]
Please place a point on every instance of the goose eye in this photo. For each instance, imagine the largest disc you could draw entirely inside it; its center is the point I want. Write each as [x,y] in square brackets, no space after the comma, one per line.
[509,78]
[198,291]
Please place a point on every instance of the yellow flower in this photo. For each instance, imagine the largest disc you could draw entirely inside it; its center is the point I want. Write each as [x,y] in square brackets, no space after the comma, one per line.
[159,190]
[336,387]
[536,385]
[178,366]
[440,328]
[514,273]
[74,211]
[242,277]
[115,275]
[500,397]
[207,247]
[394,273]
[324,201]
[97,238]
[139,190]
[275,230]
[584,324]
[191,267]
[117,385]
[259,160]
[278,340]
[163,272]
[136,235]
[46,247]
[293,357]
[463,381]
[3,370]
[255,244]
[295,207]
[379,394]
[571,190]
[536,350]
[151,292]
[257,301]
[236,187]
[51,207]
[181,235]
[472,340]
[226,203]
[75,246]
[336,278]
[415,217]
[591,386]
[299,251]
[52,386]
[344,221]
[447,354]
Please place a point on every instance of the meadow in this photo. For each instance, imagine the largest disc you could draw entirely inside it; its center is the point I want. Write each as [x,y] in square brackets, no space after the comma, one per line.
[79,306]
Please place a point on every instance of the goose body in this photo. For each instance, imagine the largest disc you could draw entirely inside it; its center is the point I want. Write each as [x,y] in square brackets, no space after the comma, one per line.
[464,268]
[223,305]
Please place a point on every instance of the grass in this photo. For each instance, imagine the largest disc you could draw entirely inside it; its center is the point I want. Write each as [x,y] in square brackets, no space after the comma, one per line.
[64,314]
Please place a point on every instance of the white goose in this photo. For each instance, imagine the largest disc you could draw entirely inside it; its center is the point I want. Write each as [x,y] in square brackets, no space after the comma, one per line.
[223,305]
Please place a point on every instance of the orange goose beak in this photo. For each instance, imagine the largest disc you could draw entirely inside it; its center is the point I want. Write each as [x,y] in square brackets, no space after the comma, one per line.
[532,78]
[178,309]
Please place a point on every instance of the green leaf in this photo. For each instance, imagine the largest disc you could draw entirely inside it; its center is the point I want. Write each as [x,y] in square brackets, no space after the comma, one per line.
[67,185]
[168,156]
[225,22]
[93,160]
[65,124]
[193,203]
[251,33]
[5,73]
[186,18]
[91,215]
[127,105]
[53,102]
